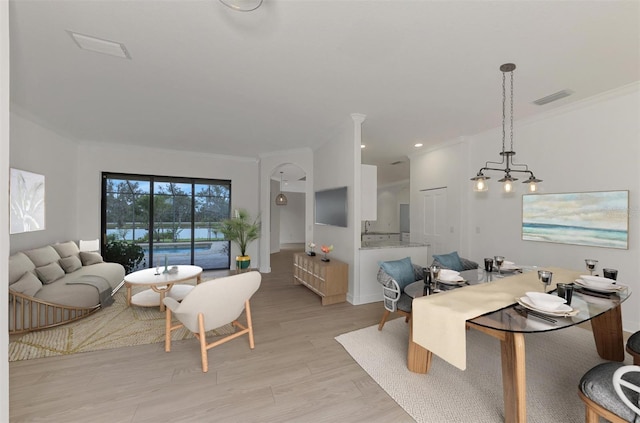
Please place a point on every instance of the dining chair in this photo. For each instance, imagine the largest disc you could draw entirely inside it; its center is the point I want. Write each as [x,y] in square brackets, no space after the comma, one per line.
[601,389]
[633,347]
[394,276]
[213,304]
[453,261]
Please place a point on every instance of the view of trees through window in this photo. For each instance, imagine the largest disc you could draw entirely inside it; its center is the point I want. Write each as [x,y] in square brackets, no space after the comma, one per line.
[174,220]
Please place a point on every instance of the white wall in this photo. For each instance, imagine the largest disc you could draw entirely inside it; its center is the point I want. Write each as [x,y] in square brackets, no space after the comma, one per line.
[292,219]
[94,158]
[590,146]
[4,211]
[36,149]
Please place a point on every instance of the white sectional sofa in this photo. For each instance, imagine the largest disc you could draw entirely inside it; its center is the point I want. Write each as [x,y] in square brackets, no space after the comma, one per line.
[57,284]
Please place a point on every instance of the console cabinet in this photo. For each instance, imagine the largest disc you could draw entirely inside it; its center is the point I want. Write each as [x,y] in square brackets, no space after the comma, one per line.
[330,280]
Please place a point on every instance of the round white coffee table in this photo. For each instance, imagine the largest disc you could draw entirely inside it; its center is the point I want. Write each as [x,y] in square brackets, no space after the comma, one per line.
[161,285]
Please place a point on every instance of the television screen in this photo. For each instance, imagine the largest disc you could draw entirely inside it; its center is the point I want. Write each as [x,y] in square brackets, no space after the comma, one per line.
[331,207]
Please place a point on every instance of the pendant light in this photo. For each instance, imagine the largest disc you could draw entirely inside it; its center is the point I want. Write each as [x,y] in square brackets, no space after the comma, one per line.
[480,180]
[281,199]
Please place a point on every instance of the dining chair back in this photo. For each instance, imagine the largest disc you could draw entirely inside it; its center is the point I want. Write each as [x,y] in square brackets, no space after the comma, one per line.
[393,297]
[633,347]
[213,304]
[601,391]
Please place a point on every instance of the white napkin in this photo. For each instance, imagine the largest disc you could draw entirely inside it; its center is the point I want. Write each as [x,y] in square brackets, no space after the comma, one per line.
[449,275]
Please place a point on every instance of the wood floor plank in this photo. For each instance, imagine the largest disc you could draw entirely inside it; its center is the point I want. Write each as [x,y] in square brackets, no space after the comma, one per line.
[297,371]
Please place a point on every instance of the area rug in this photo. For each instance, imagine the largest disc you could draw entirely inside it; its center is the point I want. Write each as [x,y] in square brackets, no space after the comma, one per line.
[555,363]
[113,327]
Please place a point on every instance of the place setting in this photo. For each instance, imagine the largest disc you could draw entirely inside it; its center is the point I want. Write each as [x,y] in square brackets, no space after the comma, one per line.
[599,286]
[546,305]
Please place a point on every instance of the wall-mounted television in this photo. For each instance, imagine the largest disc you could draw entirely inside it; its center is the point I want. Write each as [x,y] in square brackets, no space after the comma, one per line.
[331,207]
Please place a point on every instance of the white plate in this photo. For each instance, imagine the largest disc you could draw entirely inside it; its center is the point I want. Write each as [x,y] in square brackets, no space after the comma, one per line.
[599,288]
[461,281]
[562,311]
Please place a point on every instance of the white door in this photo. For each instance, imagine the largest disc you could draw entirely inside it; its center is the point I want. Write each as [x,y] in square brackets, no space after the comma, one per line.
[434,205]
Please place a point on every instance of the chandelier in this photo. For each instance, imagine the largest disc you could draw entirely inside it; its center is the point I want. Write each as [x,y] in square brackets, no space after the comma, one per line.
[281,199]
[242,5]
[480,180]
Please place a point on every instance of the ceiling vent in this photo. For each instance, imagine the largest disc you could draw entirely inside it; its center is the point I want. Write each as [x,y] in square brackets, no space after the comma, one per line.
[553,97]
[87,42]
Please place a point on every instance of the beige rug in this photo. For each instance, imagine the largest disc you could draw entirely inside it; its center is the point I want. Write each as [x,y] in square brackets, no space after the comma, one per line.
[113,327]
[555,363]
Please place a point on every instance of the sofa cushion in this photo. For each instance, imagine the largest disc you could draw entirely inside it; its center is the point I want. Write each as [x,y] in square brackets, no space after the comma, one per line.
[50,273]
[28,284]
[43,256]
[70,264]
[67,249]
[400,270]
[19,263]
[450,261]
[88,258]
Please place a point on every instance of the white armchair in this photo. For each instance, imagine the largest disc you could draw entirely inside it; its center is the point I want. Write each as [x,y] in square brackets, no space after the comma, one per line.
[213,304]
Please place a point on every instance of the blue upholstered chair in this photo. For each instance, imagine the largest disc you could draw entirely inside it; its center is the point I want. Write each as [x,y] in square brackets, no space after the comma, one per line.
[394,276]
[601,389]
[453,261]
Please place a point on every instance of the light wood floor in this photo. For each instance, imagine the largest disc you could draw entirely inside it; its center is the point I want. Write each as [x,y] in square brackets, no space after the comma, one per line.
[296,373]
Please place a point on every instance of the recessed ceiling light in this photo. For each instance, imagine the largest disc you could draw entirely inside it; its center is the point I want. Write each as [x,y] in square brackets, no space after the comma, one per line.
[112,48]
[362,146]
[417,145]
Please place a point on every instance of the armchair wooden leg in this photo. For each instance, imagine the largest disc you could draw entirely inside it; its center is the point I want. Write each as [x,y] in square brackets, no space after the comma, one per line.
[167,331]
[384,319]
[203,343]
[247,309]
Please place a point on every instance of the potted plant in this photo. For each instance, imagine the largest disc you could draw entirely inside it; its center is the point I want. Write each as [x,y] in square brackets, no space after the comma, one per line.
[241,230]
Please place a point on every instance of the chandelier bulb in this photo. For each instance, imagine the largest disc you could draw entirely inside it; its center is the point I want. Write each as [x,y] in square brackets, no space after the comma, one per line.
[508,186]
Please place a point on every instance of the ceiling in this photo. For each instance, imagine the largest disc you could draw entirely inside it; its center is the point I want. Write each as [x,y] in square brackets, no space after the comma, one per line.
[288,75]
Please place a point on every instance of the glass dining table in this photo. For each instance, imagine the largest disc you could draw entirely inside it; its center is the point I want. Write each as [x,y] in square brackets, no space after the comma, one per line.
[509,324]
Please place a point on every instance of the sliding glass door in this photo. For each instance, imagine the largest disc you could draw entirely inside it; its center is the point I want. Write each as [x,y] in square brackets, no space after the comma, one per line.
[174,220]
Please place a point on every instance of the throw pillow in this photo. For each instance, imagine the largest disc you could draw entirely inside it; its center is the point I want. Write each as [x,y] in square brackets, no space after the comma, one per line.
[70,264]
[66,249]
[28,284]
[89,258]
[50,273]
[450,261]
[400,270]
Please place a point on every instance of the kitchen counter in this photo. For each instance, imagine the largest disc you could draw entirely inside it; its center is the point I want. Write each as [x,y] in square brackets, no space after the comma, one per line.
[369,245]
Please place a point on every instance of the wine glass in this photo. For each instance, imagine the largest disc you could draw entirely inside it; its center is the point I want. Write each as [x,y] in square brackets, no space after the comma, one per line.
[499,260]
[435,272]
[591,265]
[545,277]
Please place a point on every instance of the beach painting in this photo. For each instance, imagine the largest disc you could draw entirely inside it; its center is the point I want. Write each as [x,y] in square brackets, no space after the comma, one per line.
[597,219]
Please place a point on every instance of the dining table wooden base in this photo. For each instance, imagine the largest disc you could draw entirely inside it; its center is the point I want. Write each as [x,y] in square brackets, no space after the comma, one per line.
[607,333]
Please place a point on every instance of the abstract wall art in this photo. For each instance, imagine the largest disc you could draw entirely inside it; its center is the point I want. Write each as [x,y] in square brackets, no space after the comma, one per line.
[27,202]
[597,219]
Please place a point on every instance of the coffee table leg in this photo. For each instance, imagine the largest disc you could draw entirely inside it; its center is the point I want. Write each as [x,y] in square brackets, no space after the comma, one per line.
[128,295]
[607,332]
[163,293]
[514,389]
